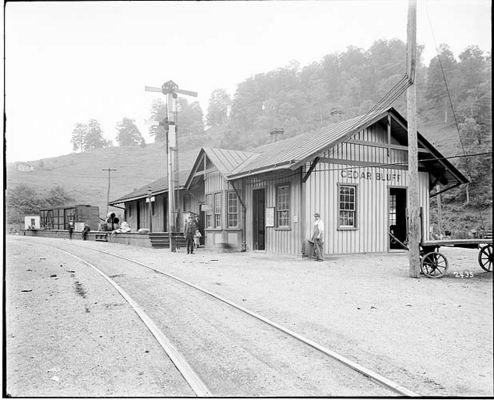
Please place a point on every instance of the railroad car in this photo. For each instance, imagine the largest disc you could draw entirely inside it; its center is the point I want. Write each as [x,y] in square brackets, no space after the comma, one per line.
[58,218]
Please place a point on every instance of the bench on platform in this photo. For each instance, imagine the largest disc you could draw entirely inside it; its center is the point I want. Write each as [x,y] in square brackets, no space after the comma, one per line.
[101,237]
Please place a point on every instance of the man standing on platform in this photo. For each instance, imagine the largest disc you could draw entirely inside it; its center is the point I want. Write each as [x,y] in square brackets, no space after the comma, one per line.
[317,236]
[71,229]
[189,232]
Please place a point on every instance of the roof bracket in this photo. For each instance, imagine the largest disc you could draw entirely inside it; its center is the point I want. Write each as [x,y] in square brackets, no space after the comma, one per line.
[444,190]
[311,168]
[431,186]
[238,195]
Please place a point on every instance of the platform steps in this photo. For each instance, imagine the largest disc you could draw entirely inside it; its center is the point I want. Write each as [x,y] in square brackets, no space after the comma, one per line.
[161,240]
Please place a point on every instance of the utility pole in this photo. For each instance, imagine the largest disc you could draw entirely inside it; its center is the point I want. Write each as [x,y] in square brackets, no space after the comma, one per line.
[414,221]
[108,194]
[170,90]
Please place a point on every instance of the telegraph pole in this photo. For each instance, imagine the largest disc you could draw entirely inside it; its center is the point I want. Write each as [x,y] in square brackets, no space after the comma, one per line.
[108,194]
[414,221]
[170,90]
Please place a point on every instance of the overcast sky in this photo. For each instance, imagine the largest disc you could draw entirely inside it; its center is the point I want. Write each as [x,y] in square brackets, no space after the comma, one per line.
[70,62]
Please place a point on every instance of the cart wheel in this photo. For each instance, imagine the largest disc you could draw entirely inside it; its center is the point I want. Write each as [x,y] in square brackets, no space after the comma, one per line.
[434,265]
[486,257]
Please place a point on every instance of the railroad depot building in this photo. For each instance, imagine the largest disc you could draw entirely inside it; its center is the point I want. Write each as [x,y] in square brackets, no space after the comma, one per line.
[353,173]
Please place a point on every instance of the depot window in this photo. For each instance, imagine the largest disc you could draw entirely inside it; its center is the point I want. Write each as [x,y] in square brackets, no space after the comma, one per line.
[283,206]
[209,211]
[232,215]
[217,210]
[347,207]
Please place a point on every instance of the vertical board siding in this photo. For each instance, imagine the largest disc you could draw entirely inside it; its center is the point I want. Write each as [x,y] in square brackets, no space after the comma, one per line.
[425,202]
[144,220]
[277,240]
[371,234]
[159,212]
[193,200]
[214,182]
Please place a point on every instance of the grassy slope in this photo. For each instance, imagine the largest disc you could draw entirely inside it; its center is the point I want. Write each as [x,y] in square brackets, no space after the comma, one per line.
[82,175]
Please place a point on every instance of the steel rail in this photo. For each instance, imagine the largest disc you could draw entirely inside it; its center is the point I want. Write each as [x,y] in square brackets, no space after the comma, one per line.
[190,376]
[388,383]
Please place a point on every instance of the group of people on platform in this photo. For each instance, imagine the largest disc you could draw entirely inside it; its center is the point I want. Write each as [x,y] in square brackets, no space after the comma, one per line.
[84,231]
[193,236]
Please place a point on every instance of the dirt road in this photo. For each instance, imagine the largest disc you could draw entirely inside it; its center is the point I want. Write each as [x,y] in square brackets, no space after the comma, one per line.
[66,337]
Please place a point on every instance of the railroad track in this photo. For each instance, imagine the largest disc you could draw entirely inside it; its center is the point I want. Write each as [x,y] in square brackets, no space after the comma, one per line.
[189,373]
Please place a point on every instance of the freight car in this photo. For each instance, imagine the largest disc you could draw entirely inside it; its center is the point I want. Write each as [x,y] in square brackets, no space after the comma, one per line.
[58,218]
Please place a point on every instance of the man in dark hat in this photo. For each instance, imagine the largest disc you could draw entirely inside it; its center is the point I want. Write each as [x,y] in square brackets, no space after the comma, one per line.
[317,236]
[189,232]
[85,231]
[71,229]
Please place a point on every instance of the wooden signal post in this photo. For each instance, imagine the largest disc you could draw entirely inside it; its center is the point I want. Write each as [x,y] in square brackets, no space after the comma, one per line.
[108,193]
[414,221]
[170,90]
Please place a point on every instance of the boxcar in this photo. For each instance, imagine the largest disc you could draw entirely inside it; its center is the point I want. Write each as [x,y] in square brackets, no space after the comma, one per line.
[58,218]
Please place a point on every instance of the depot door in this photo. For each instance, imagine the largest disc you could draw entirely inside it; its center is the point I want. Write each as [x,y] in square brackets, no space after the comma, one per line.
[397,217]
[258,219]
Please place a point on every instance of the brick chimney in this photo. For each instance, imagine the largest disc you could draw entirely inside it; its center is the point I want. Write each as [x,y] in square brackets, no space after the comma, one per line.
[276,134]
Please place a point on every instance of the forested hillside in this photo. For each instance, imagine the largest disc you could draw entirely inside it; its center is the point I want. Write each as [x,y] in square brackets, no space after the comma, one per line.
[454,112]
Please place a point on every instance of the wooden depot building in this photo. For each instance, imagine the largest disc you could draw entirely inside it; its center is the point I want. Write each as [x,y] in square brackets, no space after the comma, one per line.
[353,173]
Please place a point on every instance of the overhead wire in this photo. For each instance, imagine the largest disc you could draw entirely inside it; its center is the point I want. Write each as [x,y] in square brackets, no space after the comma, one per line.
[384,103]
[467,160]
[445,80]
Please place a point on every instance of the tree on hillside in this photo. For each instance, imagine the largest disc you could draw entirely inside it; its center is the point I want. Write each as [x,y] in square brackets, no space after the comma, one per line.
[87,137]
[478,168]
[189,118]
[128,134]
[78,137]
[219,104]
[472,71]
[57,196]
[436,92]
[22,200]
[94,136]
[158,115]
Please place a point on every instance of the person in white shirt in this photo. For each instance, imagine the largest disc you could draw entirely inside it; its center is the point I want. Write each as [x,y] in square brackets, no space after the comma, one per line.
[318,236]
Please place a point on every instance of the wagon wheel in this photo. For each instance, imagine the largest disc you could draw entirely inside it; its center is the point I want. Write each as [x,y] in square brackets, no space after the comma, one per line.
[434,265]
[486,257]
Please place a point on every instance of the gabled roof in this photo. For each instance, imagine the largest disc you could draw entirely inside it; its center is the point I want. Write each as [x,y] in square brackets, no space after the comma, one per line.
[224,160]
[293,152]
[158,186]
[227,160]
